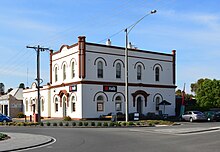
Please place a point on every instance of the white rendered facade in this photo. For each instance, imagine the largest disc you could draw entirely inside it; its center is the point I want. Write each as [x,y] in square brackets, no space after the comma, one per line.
[87,80]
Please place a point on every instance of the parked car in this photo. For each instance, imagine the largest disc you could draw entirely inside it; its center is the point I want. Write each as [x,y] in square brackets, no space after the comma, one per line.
[194,116]
[212,115]
[4,118]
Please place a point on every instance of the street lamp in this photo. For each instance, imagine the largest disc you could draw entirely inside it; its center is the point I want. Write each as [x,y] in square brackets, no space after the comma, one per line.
[127,31]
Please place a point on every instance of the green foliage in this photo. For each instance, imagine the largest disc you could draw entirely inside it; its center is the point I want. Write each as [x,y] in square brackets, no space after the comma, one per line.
[20,115]
[54,124]
[86,123]
[66,124]
[92,123]
[73,123]
[208,93]
[41,124]
[48,123]
[80,123]
[105,124]
[3,136]
[124,123]
[112,124]
[61,123]
[21,85]
[131,123]
[99,124]
[67,118]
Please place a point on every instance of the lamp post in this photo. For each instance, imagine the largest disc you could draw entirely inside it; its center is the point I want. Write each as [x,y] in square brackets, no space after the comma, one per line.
[127,31]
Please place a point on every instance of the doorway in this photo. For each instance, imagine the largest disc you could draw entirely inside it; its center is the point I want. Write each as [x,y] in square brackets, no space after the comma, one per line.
[139,105]
[64,106]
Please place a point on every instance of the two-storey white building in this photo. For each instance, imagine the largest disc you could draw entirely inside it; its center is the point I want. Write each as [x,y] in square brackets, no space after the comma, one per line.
[87,80]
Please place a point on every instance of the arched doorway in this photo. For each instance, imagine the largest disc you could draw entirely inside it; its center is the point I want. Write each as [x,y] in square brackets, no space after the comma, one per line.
[139,105]
[64,106]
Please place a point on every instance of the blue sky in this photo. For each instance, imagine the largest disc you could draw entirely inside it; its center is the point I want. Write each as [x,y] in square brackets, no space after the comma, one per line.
[192,27]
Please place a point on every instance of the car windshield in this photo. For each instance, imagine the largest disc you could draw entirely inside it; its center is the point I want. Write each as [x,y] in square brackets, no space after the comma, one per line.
[197,112]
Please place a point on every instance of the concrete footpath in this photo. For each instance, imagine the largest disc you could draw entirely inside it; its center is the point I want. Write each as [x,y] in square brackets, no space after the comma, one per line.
[21,141]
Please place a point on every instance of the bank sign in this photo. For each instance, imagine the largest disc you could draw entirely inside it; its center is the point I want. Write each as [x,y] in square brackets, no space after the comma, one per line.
[110,88]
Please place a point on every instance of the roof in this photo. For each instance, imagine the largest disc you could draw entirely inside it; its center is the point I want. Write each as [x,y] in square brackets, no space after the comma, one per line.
[17,93]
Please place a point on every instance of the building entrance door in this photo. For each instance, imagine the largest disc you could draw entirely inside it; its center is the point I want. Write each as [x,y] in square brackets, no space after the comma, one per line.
[139,105]
[64,109]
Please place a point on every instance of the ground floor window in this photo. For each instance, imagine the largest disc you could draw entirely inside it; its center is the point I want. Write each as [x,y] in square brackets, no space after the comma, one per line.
[56,104]
[73,106]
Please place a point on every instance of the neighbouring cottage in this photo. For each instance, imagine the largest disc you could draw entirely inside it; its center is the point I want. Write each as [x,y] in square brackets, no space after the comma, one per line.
[11,103]
[87,80]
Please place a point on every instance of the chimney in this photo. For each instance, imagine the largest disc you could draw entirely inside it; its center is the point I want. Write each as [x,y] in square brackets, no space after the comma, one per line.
[108,42]
[130,45]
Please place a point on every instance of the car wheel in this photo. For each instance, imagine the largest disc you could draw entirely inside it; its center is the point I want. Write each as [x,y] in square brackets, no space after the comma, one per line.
[190,119]
[4,121]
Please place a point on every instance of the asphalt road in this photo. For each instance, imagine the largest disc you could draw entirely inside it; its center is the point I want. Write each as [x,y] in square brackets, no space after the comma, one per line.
[155,139]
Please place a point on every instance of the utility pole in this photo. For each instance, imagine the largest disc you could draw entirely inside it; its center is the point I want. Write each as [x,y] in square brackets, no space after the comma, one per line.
[38,49]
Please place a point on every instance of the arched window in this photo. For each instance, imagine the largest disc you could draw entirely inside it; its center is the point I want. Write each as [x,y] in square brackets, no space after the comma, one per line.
[56,104]
[139,72]
[100,69]
[118,70]
[42,105]
[31,104]
[73,104]
[56,76]
[73,69]
[157,103]
[118,106]
[64,72]
[100,103]
[26,104]
[157,74]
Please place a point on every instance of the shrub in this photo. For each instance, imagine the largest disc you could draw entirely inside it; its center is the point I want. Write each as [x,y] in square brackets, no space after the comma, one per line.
[112,124]
[86,123]
[105,124]
[80,123]
[67,124]
[124,123]
[3,136]
[73,123]
[67,118]
[61,123]
[41,124]
[118,124]
[99,124]
[54,124]
[131,123]
[92,123]
[20,115]
[138,124]
[48,123]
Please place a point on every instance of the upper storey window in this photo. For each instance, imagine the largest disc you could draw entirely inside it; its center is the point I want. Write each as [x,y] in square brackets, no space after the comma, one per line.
[100,69]
[157,74]
[139,72]
[64,72]
[118,70]
[73,69]
[56,76]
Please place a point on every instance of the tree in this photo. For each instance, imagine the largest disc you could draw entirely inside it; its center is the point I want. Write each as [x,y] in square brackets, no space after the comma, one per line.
[2,88]
[207,93]
[178,92]
[21,85]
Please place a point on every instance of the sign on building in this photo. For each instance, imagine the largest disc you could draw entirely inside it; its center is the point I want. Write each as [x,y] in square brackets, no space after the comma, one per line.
[110,88]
